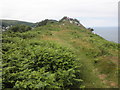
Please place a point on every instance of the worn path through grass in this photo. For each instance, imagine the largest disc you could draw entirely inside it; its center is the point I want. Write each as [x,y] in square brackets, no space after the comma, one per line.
[89,73]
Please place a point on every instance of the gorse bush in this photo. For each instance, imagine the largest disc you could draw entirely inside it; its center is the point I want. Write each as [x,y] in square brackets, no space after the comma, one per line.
[39,64]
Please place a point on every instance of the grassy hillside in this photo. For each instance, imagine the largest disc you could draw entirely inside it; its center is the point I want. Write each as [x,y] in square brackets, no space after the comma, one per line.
[15,22]
[78,58]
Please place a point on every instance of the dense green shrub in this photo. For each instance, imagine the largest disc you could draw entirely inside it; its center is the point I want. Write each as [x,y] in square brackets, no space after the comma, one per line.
[39,65]
[27,35]
[45,22]
[20,28]
[91,29]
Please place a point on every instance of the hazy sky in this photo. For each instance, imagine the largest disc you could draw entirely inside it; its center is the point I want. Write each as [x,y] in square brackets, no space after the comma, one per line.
[91,13]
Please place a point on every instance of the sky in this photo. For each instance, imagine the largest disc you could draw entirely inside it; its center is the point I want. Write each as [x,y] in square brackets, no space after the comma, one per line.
[91,13]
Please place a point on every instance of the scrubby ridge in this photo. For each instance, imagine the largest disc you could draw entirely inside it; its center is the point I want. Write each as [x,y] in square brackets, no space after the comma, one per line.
[88,60]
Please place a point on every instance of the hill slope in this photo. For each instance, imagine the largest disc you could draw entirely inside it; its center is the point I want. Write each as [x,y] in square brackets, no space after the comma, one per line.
[6,23]
[97,57]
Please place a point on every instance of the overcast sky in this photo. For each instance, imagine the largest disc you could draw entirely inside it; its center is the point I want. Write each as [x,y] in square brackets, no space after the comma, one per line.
[91,13]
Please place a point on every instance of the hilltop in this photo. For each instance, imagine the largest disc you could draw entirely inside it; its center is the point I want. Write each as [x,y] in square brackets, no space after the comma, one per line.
[58,54]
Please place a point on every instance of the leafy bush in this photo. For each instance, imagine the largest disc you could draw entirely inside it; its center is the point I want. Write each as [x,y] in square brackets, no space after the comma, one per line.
[39,65]
[45,22]
[91,29]
[27,35]
[20,28]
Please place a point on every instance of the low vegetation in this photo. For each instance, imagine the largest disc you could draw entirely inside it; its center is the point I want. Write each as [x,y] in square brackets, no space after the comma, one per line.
[58,55]
[39,64]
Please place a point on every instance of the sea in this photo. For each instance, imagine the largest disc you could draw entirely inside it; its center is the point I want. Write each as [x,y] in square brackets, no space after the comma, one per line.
[108,33]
